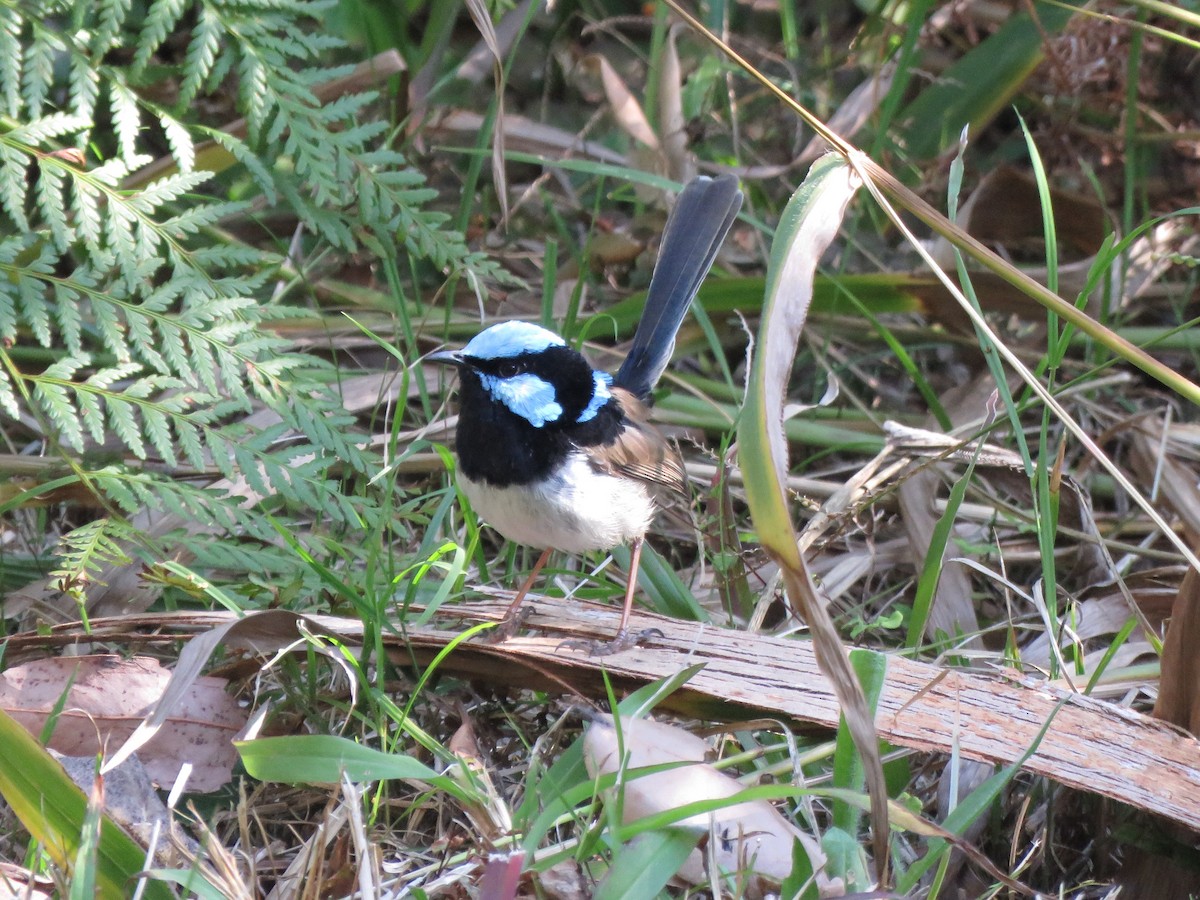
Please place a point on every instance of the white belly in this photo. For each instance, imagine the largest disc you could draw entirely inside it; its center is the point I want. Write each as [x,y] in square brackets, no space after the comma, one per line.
[576,510]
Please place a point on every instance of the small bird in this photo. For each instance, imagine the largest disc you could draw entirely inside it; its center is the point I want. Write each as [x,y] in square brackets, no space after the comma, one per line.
[556,455]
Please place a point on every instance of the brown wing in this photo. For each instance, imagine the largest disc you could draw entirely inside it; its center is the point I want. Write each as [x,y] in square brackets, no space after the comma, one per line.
[641,451]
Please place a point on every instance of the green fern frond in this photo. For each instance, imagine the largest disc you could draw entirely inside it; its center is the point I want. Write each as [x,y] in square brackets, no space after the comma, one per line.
[161,18]
[52,204]
[126,117]
[37,74]
[160,326]
[88,550]
[12,55]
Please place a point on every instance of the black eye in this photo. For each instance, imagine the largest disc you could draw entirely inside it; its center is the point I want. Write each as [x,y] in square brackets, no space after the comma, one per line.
[508,368]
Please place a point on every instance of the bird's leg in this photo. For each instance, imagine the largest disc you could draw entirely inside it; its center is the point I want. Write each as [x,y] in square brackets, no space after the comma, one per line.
[623,639]
[635,563]
[516,614]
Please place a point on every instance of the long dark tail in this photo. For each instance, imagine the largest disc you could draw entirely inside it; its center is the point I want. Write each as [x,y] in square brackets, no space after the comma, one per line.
[695,231]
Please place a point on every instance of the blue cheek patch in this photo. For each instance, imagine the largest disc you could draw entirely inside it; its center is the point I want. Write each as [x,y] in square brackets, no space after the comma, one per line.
[600,395]
[528,396]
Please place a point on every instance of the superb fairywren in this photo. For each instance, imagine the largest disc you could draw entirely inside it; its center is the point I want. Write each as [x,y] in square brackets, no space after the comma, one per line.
[559,456]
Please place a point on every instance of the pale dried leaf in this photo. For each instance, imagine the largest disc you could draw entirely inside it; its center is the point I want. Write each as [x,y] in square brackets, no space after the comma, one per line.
[671,123]
[19,883]
[1177,484]
[751,837]
[483,21]
[625,107]
[931,444]
[1153,254]
[482,58]
[1117,680]
[524,134]
[1104,610]
[564,881]
[853,112]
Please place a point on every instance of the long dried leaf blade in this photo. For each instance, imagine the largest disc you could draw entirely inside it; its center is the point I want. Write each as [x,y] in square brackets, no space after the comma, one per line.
[808,226]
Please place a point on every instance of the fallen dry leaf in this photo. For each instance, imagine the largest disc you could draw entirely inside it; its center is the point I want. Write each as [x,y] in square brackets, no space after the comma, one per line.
[750,838]
[1179,685]
[108,697]
[626,109]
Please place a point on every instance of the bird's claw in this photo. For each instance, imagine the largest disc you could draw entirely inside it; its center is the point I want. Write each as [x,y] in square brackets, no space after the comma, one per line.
[623,641]
[510,624]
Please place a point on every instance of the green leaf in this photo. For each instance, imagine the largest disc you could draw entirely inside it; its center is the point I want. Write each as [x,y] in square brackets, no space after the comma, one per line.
[643,867]
[848,772]
[325,759]
[54,810]
[844,859]
[981,83]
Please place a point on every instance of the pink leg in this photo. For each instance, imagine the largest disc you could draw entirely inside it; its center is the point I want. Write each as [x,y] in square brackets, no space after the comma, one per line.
[623,640]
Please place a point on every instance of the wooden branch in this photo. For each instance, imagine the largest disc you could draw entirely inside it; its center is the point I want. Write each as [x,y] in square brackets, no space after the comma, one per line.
[1090,744]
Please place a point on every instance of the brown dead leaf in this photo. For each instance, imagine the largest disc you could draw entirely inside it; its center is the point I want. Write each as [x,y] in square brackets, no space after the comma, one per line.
[270,629]
[108,696]
[1179,684]
[1005,209]
[501,875]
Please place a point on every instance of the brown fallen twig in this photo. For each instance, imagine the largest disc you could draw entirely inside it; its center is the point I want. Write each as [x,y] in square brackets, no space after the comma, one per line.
[1090,744]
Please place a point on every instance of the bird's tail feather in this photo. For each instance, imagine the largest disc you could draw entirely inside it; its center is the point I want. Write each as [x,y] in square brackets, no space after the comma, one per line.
[695,230]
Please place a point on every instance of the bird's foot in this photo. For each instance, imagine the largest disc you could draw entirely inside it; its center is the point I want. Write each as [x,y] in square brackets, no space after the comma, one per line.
[623,641]
[510,624]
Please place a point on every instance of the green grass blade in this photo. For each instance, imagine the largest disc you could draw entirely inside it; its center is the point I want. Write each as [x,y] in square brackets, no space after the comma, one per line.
[848,771]
[644,866]
[54,810]
[324,759]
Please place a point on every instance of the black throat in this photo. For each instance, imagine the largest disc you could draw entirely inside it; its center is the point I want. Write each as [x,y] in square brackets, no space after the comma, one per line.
[501,448]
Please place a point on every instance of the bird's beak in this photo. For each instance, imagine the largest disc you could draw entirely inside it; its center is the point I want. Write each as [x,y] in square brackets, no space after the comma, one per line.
[447,358]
